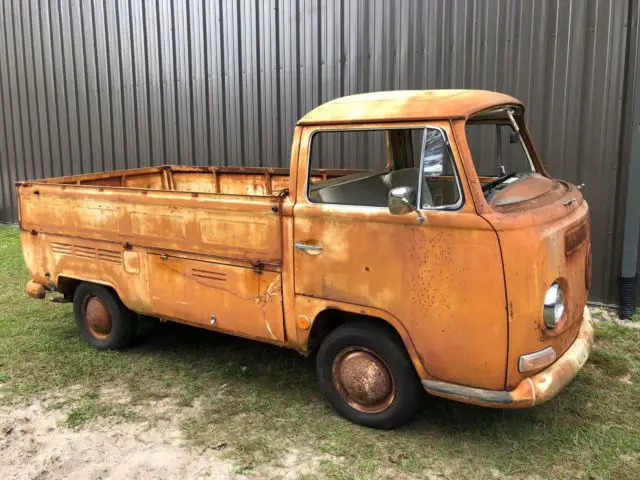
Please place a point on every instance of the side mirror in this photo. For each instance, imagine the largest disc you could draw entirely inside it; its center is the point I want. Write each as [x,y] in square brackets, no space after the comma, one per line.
[402,200]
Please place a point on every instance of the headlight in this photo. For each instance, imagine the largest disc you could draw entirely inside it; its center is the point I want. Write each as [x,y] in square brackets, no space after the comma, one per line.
[553,306]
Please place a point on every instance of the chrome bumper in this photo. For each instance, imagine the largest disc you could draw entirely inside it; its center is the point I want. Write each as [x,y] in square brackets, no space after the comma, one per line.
[532,390]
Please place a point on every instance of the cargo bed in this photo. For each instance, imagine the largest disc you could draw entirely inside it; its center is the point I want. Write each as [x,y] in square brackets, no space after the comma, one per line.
[222,180]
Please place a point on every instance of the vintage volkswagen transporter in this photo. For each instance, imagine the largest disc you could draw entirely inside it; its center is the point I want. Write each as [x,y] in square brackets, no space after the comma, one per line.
[416,243]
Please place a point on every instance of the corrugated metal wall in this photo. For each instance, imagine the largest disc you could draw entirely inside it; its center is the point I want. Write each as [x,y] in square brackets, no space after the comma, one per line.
[97,85]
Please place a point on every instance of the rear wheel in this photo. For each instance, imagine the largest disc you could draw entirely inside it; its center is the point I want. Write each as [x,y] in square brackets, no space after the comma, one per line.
[367,375]
[103,320]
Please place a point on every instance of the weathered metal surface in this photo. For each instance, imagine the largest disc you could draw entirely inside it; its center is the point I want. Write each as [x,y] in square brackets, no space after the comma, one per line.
[412,271]
[532,390]
[96,318]
[405,106]
[574,238]
[216,248]
[363,380]
[174,254]
[312,307]
[535,187]
[541,233]
[35,290]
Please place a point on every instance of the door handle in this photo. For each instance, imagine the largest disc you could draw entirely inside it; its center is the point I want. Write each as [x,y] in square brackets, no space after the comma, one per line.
[308,248]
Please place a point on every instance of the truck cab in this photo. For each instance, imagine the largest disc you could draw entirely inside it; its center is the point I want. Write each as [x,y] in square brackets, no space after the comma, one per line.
[417,243]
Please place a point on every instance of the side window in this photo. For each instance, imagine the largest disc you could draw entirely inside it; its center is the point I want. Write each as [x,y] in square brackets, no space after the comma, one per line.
[349,150]
[440,187]
[347,168]
[360,167]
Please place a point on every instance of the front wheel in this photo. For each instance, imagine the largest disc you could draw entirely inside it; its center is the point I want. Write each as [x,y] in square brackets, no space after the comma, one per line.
[367,375]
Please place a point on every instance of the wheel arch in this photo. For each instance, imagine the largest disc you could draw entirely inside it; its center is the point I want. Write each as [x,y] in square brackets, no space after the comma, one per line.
[325,316]
[67,285]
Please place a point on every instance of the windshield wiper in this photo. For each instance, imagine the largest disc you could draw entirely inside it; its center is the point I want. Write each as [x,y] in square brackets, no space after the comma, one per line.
[491,185]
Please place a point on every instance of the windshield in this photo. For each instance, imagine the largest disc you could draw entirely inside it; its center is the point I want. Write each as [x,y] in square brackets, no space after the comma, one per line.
[496,144]
[498,150]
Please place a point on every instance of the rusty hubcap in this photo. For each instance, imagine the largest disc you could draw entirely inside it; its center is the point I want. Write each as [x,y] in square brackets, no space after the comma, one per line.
[363,380]
[97,318]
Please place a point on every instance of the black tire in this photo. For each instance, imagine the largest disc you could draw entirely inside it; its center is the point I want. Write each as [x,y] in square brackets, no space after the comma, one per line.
[368,340]
[122,322]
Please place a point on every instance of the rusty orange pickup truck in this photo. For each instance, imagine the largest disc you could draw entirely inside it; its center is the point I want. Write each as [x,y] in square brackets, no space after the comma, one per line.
[416,243]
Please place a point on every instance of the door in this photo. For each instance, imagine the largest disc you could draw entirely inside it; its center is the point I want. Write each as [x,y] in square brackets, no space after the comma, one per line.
[439,273]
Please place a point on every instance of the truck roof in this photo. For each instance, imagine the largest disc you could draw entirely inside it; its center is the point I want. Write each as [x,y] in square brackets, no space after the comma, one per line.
[405,105]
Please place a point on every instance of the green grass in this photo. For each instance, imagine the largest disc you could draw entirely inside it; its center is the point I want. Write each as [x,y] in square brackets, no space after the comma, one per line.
[254,402]
[90,406]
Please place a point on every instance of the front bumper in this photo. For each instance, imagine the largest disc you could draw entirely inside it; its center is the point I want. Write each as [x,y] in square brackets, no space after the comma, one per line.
[532,390]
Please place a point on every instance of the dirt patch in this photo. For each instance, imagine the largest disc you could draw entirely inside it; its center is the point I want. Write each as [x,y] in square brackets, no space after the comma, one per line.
[295,464]
[35,443]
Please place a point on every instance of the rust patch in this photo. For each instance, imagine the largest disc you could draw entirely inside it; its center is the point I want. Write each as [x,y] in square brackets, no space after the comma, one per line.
[575,237]
[131,261]
[535,190]
[405,106]
[363,380]
[532,390]
[35,290]
[97,318]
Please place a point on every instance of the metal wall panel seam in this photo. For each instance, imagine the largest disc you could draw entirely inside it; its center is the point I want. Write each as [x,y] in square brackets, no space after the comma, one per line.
[26,79]
[10,139]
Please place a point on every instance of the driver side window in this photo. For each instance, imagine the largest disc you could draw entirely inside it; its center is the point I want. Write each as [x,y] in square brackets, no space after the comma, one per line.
[370,163]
